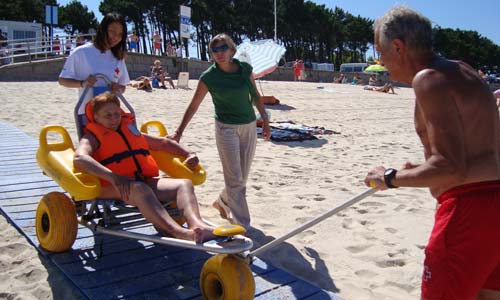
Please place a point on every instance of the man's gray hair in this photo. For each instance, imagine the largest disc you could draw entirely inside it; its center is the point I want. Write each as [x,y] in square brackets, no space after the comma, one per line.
[405,24]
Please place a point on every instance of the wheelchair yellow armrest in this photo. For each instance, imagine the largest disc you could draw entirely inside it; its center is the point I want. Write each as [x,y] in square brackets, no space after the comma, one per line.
[173,164]
[56,160]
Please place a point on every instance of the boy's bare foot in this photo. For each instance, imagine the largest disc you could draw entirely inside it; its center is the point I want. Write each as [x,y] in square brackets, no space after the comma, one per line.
[202,235]
[185,234]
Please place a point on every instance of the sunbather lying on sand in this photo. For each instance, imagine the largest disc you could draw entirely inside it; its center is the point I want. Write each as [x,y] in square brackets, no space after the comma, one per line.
[141,83]
[384,89]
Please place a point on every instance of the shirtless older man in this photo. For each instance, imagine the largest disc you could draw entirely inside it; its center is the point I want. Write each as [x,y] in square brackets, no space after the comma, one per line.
[458,125]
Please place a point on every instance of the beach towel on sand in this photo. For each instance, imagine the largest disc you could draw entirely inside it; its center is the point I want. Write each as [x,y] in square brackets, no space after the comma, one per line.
[291,131]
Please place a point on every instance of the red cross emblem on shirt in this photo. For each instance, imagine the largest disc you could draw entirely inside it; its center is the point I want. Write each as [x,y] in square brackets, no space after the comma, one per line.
[117,71]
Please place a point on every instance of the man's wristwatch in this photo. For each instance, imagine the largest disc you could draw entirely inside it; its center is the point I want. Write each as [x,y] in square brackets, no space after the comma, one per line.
[389,175]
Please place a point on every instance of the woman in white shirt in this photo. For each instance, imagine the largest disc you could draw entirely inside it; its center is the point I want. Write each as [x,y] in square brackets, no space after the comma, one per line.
[106,55]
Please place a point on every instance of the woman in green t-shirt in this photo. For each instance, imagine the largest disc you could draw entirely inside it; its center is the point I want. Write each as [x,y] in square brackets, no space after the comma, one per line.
[233,92]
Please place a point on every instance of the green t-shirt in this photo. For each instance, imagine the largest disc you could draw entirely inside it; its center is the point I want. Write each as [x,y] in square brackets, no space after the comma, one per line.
[231,93]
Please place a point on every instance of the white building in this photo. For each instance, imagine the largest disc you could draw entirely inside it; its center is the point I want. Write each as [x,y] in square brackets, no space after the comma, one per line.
[14,30]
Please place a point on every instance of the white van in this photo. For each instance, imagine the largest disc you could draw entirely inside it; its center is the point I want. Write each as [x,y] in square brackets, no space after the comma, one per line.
[353,67]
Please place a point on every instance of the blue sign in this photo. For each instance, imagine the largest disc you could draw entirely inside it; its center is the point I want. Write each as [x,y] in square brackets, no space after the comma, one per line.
[185,20]
[51,14]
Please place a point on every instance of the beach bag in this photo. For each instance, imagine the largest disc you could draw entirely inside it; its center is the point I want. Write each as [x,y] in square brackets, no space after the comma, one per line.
[155,83]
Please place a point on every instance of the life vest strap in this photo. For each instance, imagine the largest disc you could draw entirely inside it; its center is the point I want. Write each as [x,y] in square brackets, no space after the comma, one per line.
[125,154]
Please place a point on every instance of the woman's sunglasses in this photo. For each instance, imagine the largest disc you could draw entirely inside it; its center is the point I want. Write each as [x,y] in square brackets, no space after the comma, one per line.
[222,48]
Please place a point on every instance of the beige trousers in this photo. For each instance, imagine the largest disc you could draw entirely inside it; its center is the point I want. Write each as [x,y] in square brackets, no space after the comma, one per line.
[236,145]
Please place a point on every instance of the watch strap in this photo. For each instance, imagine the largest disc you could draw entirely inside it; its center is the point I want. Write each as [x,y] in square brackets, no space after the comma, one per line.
[389,175]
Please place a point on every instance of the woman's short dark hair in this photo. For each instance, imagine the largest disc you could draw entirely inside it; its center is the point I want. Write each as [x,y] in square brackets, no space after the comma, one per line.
[119,51]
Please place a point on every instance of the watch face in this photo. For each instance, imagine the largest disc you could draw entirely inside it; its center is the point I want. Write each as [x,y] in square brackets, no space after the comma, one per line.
[388,172]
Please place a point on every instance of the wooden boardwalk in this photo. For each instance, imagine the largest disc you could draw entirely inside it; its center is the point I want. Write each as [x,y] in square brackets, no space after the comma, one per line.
[106,267]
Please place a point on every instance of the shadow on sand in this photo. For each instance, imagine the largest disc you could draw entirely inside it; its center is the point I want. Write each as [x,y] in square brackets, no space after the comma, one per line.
[290,259]
[281,107]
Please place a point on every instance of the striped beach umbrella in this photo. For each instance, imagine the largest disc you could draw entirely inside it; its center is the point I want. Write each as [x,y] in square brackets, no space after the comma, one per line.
[263,56]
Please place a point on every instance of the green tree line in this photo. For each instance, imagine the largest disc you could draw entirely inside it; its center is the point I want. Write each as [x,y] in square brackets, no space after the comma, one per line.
[309,31]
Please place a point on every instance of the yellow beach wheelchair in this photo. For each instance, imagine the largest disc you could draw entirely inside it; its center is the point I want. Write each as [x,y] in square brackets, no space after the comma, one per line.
[226,275]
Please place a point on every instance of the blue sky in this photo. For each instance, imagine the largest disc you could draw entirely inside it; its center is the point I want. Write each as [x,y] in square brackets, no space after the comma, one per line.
[482,16]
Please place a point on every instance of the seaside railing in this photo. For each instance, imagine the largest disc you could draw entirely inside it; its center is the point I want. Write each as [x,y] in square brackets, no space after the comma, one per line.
[22,50]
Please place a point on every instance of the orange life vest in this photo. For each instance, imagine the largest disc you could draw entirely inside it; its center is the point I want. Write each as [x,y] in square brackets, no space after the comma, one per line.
[124,151]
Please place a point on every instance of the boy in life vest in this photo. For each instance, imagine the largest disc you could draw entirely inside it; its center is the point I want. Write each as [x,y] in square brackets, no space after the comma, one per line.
[114,150]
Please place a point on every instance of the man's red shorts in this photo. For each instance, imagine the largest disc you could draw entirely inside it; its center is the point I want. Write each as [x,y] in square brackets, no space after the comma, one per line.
[157,46]
[463,253]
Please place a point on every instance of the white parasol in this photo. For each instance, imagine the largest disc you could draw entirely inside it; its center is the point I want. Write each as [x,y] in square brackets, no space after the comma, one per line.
[262,55]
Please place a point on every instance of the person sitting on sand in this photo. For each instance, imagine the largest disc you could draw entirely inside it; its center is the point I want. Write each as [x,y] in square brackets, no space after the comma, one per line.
[157,72]
[356,79]
[133,177]
[373,81]
[339,79]
[384,89]
[141,83]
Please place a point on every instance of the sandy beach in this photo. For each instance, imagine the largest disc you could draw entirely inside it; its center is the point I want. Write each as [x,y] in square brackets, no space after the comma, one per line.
[372,250]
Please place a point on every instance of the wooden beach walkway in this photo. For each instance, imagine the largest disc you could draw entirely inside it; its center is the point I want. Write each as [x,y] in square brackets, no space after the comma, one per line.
[106,267]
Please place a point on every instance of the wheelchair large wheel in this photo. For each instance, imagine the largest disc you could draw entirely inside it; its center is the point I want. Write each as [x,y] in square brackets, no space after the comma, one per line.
[226,277]
[56,223]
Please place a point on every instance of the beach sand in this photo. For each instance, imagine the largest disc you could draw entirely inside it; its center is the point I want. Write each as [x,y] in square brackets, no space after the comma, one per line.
[372,250]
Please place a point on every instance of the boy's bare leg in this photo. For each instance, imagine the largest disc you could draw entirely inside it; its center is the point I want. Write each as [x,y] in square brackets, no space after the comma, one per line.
[142,196]
[182,191]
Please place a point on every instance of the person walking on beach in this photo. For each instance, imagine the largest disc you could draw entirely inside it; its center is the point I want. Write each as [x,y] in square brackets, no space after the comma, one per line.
[298,69]
[170,50]
[156,43]
[56,45]
[133,42]
[67,45]
[106,55]
[458,125]
[233,92]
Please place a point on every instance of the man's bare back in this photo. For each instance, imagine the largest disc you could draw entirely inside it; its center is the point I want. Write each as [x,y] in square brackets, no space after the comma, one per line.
[452,97]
